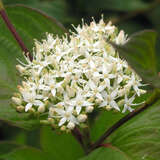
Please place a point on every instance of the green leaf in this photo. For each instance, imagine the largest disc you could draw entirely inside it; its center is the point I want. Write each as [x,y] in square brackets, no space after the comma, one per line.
[27,153]
[107,119]
[139,52]
[111,153]
[103,121]
[30,24]
[57,8]
[60,146]
[7,147]
[139,138]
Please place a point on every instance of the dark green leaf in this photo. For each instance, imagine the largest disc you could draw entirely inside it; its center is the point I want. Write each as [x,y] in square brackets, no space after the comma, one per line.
[103,121]
[60,146]
[7,147]
[30,24]
[139,52]
[139,137]
[111,153]
[27,153]
[57,8]
[106,119]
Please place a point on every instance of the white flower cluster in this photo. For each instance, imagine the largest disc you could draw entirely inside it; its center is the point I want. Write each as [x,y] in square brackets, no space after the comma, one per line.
[71,76]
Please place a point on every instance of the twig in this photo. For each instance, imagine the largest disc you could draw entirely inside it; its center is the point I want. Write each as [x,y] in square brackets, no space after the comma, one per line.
[13,31]
[150,102]
[77,134]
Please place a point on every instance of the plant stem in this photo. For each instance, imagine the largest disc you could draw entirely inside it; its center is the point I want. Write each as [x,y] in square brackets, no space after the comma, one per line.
[13,31]
[155,96]
[77,134]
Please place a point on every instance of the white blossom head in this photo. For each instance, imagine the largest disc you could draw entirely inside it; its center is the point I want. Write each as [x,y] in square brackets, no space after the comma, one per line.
[72,76]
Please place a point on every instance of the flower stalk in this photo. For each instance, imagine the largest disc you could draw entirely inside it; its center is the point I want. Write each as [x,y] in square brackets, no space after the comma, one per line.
[80,138]
[13,31]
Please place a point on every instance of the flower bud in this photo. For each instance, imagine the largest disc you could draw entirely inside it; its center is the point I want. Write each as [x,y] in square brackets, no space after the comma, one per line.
[70,125]
[17,101]
[82,118]
[41,109]
[142,91]
[108,107]
[98,101]
[20,68]
[20,108]
[91,99]
[89,109]
[31,110]
[121,102]
[21,90]
[51,120]
[25,85]
[63,128]
[51,111]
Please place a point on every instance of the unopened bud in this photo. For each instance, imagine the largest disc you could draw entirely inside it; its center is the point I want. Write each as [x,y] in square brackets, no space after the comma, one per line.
[20,108]
[25,85]
[89,109]
[121,103]
[82,118]
[91,99]
[51,111]
[17,101]
[41,109]
[51,120]
[63,128]
[142,91]
[20,68]
[108,107]
[21,90]
[70,125]
[31,110]
[98,101]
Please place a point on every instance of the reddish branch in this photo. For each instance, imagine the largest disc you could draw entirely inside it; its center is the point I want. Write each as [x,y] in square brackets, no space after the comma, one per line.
[13,31]
[78,135]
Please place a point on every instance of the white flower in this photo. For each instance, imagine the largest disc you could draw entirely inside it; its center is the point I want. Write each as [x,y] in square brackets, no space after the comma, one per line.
[110,99]
[128,103]
[95,90]
[82,118]
[66,115]
[79,101]
[135,83]
[31,98]
[71,76]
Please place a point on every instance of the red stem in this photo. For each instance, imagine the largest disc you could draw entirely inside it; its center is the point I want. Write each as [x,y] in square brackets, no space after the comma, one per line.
[77,134]
[15,34]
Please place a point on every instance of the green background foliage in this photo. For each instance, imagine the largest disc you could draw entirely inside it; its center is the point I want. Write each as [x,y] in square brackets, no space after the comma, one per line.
[22,138]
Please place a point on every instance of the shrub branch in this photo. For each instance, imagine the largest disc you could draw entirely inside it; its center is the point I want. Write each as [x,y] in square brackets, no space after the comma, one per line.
[13,31]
